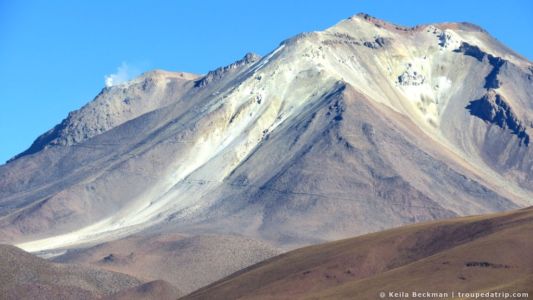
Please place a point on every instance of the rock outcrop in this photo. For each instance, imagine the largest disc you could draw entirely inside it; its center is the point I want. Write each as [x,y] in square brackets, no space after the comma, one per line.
[493,109]
[491,80]
[218,73]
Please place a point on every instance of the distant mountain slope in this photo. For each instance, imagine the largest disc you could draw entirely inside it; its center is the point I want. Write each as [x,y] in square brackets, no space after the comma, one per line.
[473,254]
[153,290]
[24,276]
[361,127]
[188,263]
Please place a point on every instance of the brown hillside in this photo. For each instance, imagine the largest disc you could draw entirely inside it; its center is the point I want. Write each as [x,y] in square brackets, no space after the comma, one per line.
[480,253]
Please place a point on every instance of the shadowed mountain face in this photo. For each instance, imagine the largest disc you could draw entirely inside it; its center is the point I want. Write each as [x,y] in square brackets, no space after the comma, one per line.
[493,109]
[361,127]
[475,254]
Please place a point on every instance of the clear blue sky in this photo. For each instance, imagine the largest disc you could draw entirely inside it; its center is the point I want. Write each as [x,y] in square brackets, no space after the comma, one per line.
[54,54]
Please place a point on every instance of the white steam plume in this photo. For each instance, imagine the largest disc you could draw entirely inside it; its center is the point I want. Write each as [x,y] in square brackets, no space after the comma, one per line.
[124,73]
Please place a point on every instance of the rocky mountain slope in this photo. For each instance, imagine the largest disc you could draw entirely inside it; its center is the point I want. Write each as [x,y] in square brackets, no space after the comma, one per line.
[361,127]
[490,253]
[115,106]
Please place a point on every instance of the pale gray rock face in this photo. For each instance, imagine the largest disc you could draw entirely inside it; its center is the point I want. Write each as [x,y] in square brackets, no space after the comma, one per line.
[361,127]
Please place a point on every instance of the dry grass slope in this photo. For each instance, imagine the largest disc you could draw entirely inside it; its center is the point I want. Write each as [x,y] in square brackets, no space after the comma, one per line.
[479,253]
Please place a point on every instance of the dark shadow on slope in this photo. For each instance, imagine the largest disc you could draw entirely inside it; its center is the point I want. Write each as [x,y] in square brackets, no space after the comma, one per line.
[493,109]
